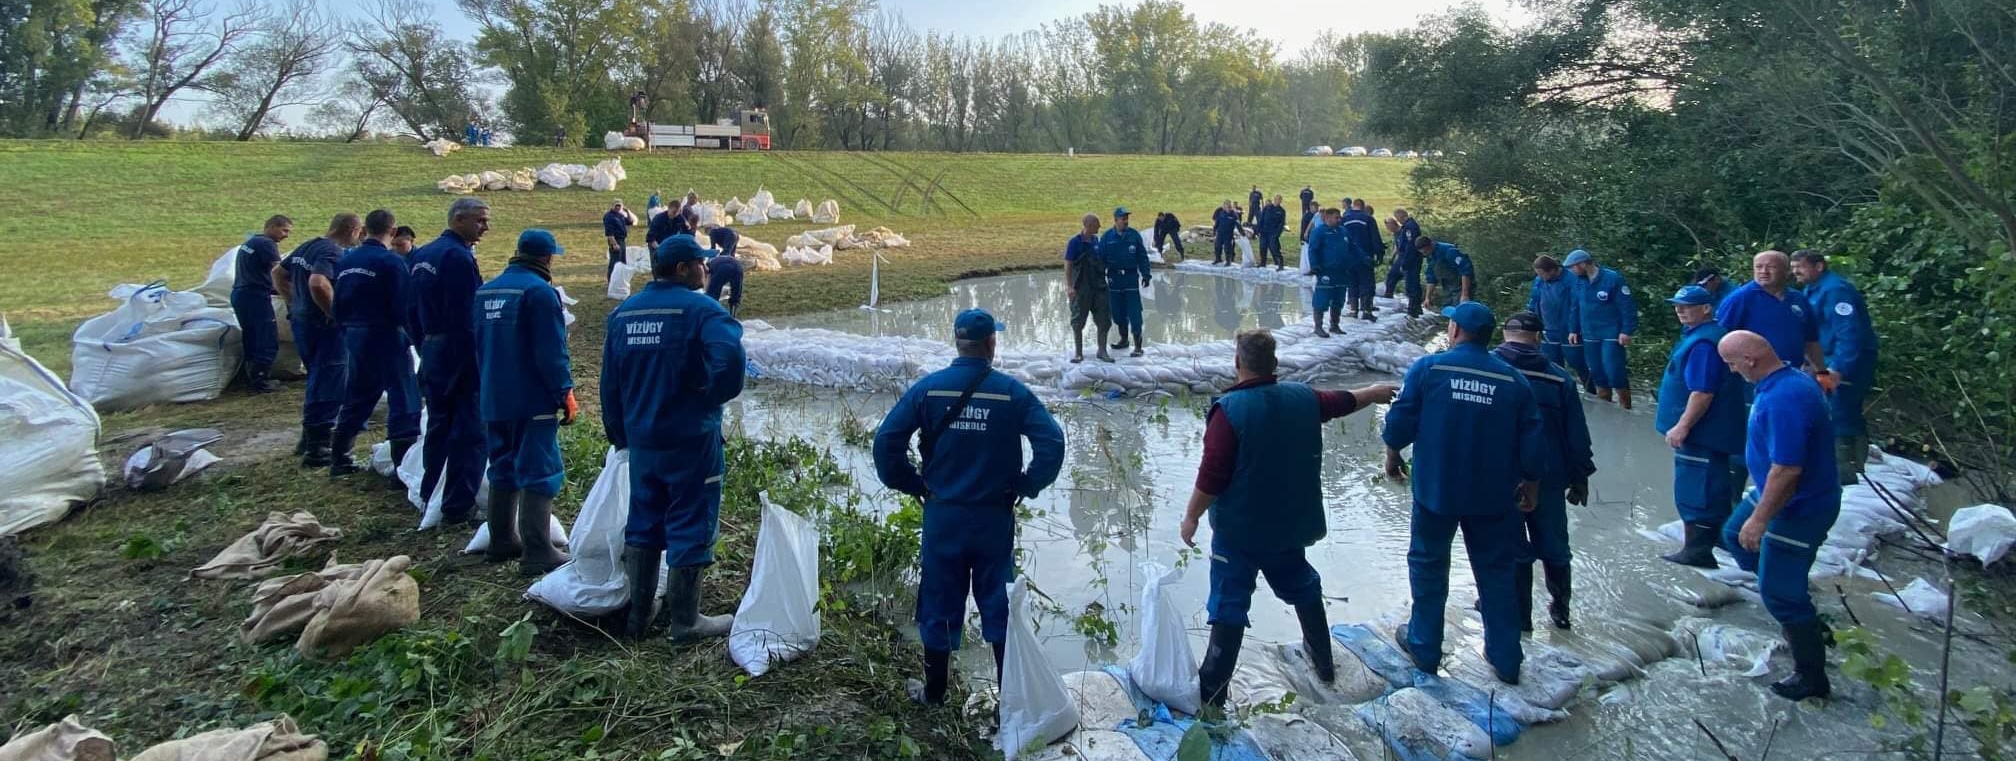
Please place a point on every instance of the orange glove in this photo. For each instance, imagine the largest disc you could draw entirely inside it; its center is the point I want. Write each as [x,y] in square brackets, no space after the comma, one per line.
[1828,381]
[572,410]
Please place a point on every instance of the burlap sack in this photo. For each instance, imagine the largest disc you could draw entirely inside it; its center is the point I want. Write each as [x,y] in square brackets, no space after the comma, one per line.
[348,614]
[66,740]
[282,606]
[276,740]
[261,552]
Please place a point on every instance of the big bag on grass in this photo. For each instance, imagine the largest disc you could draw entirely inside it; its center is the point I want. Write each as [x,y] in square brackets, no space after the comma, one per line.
[593,583]
[159,346]
[48,440]
[779,617]
[1166,667]
[1035,708]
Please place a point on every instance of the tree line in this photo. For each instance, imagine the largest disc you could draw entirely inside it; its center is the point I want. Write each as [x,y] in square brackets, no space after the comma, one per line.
[835,74]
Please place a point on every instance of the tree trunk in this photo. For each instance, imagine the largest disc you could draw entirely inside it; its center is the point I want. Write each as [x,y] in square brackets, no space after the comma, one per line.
[258,116]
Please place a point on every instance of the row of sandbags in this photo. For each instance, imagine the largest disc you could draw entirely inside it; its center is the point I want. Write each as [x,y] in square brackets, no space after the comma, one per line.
[603,177]
[763,208]
[69,740]
[843,238]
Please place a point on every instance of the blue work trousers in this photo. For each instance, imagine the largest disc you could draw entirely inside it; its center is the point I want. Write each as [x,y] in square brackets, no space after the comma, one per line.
[254,308]
[1701,485]
[732,281]
[1783,560]
[327,360]
[965,548]
[1605,358]
[1396,273]
[1126,302]
[525,455]
[675,501]
[1361,286]
[1495,547]
[1223,250]
[1271,244]
[380,363]
[1546,528]
[1330,295]
[1234,574]
[452,457]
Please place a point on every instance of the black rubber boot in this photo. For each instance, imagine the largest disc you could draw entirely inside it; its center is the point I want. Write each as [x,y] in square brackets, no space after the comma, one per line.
[1000,658]
[1698,551]
[535,512]
[640,566]
[1320,332]
[340,464]
[315,447]
[1123,341]
[1560,586]
[1809,663]
[937,673]
[682,604]
[399,448]
[1220,658]
[503,514]
[1522,578]
[1316,640]
[259,379]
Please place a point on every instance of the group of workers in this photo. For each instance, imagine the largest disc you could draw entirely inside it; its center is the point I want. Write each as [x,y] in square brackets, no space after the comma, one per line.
[724,268]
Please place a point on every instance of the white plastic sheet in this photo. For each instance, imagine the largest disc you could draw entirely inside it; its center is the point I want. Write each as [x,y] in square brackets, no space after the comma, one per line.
[619,282]
[158,347]
[779,616]
[1035,709]
[592,582]
[48,440]
[1984,531]
[1921,598]
[1166,667]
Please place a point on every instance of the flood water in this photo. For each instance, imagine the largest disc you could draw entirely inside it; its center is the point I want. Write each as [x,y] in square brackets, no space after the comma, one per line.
[1128,472]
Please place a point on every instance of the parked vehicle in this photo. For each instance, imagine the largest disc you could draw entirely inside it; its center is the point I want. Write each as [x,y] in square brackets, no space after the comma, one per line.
[1318,150]
[1356,150]
[1433,154]
[748,130]
[1408,155]
[1382,153]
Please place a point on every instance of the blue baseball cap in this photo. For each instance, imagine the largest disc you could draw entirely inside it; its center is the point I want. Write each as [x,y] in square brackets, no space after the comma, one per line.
[1577,256]
[975,325]
[1474,318]
[1120,211]
[678,248]
[1692,295]
[537,242]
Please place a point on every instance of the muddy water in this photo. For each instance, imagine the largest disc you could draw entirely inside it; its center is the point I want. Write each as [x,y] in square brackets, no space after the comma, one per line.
[1128,472]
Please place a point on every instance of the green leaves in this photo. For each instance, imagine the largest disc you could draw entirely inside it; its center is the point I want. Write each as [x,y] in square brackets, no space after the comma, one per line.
[514,644]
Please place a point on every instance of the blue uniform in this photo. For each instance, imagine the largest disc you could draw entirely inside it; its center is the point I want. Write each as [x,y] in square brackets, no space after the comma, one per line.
[1449,263]
[725,271]
[1253,200]
[724,239]
[663,225]
[1273,223]
[1848,340]
[1406,261]
[1605,310]
[1703,487]
[1784,321]
[252,298]
[371,292]
[1223,223]
[1568,456]
[671,358]
[1556,303]
[616,226]
[1788,426]
[1126,258]
[1477,434]
[521,351]
[317,337]
[1271,510]
[972,478]
[1330,260]
[1369,248]
[445,279]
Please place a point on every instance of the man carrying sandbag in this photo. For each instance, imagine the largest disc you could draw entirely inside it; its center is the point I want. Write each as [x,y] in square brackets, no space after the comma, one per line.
[252,301]
[306,280]
[445,279]
[1266,510]
[670,359]
[371,290]
[527,393]
[973,422]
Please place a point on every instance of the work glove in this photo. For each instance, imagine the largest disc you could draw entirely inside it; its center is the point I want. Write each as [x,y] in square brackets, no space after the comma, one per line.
[1578,493]
[571,410]
[1144,281]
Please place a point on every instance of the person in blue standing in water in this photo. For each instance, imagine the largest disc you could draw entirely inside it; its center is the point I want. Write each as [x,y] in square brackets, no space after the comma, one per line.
[1224,222]
[1127,272]
[1608,318]
[252,269]
[1329,251]
[1478,458]
[973,422]
[1370,248]
[1554,298]
[306,280]
[372,295]
[1701,414]
[527,393]
[1777,531]
[724,270]
[671,358]
[1569,460]
[445,279]
[1848,344]
[1406,267]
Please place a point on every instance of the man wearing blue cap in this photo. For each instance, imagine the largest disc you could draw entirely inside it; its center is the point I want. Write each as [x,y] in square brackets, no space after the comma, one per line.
[1848,341]
[445,279]
[1701,414]
[1329,251]
[671,358]
[1461,409]
[1607,318]
[527,394]
[1553,297]
[1569,461]
[371,298]
[972,421]
[1126,257]
[306,280]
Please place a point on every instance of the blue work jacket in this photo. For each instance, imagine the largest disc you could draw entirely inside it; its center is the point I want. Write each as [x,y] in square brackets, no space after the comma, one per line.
[521,347]
[977,461]
[1475,428]
[445,279]
[1126,258]
[371,287]
[1847,336]
[1694,366]
[1557,304]
[670,359]
[1785,321]
[1604,306]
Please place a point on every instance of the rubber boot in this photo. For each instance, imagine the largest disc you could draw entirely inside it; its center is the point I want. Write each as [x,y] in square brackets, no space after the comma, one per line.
[682,603]
[1316,640]
[1078,341]
[1809,663]
[1698,551]
[1103,356]
[1336,313]
[340,464]
[1560,585]
[315,451]
[1320,332]
[1522,579]
[535,511]
[259,379]
[1400,638]
[1624,398]
[1220,658]
[640,566]
[1140,346]
[937,673]
[1000,659]
[1602,393]
[1123,341]
[503,514]
[399,449]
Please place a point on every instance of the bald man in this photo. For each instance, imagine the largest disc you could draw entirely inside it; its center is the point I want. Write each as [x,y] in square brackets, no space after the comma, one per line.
[1777,530]
[1085,283]
[1770,307]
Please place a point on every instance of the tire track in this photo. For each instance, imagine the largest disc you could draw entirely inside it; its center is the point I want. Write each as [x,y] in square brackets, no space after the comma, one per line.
[803,167]
[904,177]
[937,185]
[857,186]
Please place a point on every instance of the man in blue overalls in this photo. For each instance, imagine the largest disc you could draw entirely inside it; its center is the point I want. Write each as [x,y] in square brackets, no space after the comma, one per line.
[371,299]
[1701,414]
[252,301]
[1308,197]
[973,421]
[1777,531]
[1848,341]
[1126,257]
[724,271]
[1478,458]
[1273,224]
[1370,248]
[1266,510]
[445,279]
[527,394]
[1224,222]
[1450,275]
[616,224]
[1569,462]
[306,280]
[1253,199]
[1608,318]
[1406,265]
[1329,252]
[1554,298]
[672,357]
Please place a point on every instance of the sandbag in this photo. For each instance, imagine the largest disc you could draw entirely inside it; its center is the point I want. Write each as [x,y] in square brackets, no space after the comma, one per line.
[457,184]
[276,740]
[442,146]
[1418,726]
[555,176]
[806,256]
[762,255]
[567,317]
[159,347]
[828,213]
[412,471]
[261,552]
[1245,251]
[1920,598]
[216,286]
[733,207]
[48,440]
[494,180]
[383,599]
[750,216]
[523,179]
[708,214]
[66,740]
[779,616]
[1983,531]
[171,458]
[592,582]
[619,281]
[1726,646]
[555,533]
[1166,667]
[613,141]
[1035,709]
[802,210]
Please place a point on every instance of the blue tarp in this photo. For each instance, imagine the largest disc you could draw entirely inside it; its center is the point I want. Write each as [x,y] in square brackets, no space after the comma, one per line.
[1396,668]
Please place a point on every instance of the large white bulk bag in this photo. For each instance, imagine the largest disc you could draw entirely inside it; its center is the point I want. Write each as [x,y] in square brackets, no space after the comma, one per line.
[779,616]
[48,440]
[216,287]
[160,346]
[619,281]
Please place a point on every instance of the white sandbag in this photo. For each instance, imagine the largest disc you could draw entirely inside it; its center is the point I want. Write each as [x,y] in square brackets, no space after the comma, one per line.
[169,459]
[781,212]
[1166,667]
[619,281]
[762,201]
[216,286]
[1035,709]
[828,213]
[750,216]
[1983,531]
[442,146]
[412,471]
[1413,719]
[1726,646]
[615,169]
[1919,597]
[381,459]
[796,257]
[802,210]
[614,141]
[495,180]
[831,236]
[556,533]
[1245,251]
[523,179]
[733,207]
[48,440]
[601,178]
[555,176]
[457,184]
[566,315]
[159,347]
[592,582]
[708,214]
[1302,260]
[762,255]
[779,616]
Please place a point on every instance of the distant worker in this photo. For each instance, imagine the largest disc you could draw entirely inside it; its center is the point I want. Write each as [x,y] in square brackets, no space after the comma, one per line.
[1127,272]
[1702,414]
[661,227]
[616,224]
[1778,529]
[1712,281]
[1450,275]
[1266,511]
[1308,196]
[1608,316]
[1085,286]
[1568,460]
[445,280]
[1330,253]
[972,422]
[724,272]
[252,301]
[671,358]
[1848,343]
[1169,228]
[1478,441]
[1224,222]
[1273,224]
[306,280]
[1770,307]
[403,240]
[1370,248]
[371,298]
[527,393]
[1554,298]
[655,201]
[1253,202]
[1406,267]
